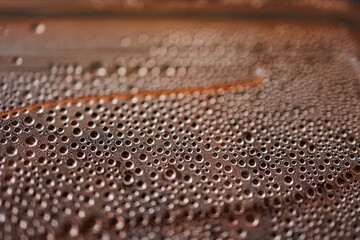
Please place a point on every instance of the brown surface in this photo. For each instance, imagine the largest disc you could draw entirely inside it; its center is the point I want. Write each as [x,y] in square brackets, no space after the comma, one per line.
[102,142]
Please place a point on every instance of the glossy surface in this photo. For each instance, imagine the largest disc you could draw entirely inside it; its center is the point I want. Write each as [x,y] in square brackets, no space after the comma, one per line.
[272,159]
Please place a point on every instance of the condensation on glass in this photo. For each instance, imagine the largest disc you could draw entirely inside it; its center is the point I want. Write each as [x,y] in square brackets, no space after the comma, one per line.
[172,128]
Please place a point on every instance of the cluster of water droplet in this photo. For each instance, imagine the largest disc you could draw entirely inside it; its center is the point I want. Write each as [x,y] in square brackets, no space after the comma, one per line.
[280,160]
[171,59]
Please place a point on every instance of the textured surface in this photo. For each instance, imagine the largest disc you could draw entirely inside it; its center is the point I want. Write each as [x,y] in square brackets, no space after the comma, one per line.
[278,160]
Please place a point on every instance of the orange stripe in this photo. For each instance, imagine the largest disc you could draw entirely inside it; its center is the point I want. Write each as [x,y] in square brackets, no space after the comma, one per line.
[252,83]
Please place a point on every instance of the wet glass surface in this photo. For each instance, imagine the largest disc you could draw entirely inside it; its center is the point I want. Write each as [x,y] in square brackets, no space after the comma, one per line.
[172,128]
